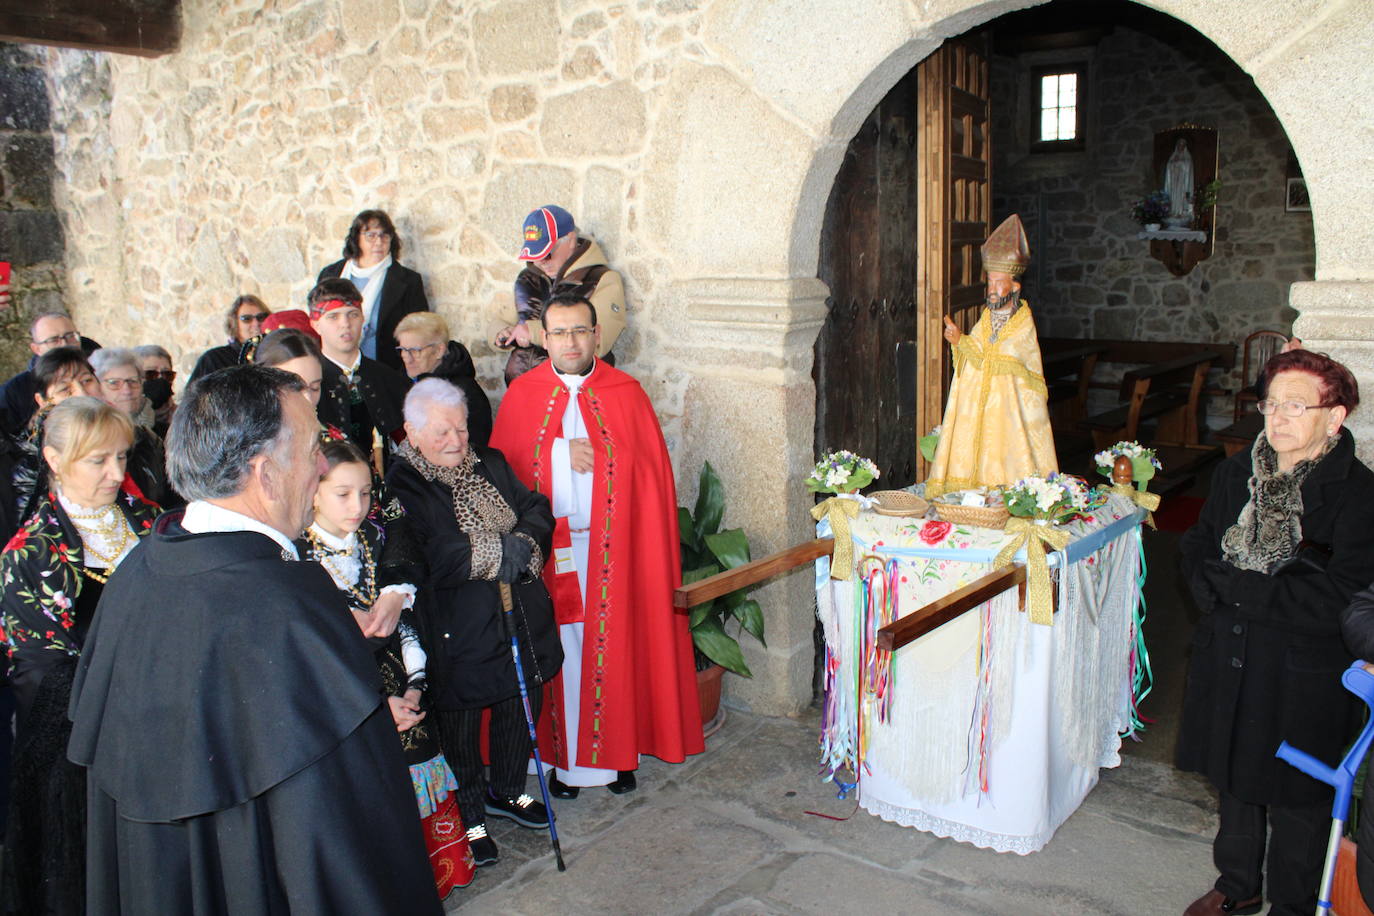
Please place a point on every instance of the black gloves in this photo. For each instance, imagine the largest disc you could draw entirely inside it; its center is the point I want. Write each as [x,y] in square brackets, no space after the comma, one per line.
[515,558]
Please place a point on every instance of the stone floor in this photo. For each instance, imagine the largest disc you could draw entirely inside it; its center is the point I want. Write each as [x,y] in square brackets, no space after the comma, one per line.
[727,831]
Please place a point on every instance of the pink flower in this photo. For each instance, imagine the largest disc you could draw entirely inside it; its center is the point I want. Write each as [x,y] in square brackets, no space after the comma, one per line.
[933,531]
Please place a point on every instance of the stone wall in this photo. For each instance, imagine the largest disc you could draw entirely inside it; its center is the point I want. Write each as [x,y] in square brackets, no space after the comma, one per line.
[698,139]
[30,231]
[1091,276]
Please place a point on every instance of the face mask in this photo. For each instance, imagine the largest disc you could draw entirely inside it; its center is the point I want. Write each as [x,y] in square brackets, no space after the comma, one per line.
[158,391]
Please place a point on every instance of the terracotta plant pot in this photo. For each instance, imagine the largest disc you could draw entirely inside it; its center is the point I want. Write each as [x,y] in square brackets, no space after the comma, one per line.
[708,694]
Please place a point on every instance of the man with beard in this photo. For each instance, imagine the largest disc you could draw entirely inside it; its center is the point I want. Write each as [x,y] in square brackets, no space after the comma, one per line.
[585,434]
[240,756]
[997,425]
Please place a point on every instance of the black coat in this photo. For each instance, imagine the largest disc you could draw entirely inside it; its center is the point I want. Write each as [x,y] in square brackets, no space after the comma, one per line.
[456,368]
[1267,655]
[383,391]
[240,757]
[216,358]
[470,663]
[403,292]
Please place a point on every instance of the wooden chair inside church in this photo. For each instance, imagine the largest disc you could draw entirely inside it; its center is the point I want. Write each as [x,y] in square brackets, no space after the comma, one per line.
[1258,348]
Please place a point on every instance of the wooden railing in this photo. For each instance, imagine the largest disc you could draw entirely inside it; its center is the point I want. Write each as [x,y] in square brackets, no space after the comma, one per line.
[891,637]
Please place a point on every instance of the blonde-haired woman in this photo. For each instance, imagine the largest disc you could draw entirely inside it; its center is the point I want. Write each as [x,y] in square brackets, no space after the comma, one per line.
[51,574]
[426,352]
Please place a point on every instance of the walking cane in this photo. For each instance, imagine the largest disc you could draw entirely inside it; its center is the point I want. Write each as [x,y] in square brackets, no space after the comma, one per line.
[1341,777]
[508,619]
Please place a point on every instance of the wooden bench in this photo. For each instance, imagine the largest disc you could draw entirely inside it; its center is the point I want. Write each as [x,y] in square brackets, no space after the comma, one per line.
[1169,391]
[1068,374]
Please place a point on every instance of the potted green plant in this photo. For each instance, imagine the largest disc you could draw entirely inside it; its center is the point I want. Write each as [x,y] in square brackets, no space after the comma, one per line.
[706,550]
[1152,210]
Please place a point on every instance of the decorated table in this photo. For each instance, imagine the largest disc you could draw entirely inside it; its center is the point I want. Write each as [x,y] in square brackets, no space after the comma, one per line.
[991,728]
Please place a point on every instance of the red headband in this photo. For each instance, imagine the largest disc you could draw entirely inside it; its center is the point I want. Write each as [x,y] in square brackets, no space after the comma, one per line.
[319,308]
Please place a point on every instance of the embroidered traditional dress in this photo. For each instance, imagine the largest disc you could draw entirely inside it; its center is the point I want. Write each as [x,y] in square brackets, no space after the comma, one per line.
[997,425]
[353,563]
[52,580]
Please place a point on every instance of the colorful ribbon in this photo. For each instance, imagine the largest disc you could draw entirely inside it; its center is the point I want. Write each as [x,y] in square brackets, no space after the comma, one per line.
[839,510]
[1147,501]
[1035,535]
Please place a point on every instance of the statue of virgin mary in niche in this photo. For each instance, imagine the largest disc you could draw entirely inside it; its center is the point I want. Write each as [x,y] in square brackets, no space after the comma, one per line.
[1178,184]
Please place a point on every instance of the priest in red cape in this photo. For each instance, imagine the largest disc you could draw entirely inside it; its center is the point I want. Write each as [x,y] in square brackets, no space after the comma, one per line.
[584,434]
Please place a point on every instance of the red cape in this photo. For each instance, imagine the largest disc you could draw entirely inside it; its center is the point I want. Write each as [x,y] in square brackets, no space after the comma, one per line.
[639,693]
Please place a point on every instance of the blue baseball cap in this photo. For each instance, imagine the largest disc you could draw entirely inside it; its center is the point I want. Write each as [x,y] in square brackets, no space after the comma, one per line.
[542,229]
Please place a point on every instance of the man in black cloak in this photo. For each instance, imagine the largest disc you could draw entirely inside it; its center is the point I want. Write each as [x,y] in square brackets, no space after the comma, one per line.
[241,760]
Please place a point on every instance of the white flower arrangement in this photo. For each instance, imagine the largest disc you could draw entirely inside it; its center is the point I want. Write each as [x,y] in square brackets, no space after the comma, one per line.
[1056,497]
[1144,464]
[841,472]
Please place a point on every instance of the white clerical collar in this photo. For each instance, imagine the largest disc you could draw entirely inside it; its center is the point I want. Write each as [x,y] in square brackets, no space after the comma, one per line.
[350,370]
[348,542]
[575,382]
[206,518]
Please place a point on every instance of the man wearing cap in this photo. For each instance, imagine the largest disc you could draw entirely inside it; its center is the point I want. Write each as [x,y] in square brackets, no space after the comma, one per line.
[997,423]
[360,396]
[561,262]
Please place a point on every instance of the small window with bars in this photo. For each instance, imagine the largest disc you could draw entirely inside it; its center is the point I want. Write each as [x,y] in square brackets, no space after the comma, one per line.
[1058,102]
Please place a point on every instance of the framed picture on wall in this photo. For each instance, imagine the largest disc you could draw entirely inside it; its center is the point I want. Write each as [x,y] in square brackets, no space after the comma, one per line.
[1296,199]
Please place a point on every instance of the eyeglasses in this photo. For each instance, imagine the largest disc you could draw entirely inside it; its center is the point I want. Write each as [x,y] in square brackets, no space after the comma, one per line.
[154,374]
[1288,408]
[413,351]
[562,334]
[376,235]
[71,337]
[118,383]
[250,317]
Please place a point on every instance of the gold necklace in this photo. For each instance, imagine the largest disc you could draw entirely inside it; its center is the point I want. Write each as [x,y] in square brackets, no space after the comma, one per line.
[110,525]
[368,573]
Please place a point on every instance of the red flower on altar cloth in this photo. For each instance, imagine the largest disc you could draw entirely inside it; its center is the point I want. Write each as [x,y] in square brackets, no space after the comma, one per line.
[934,531]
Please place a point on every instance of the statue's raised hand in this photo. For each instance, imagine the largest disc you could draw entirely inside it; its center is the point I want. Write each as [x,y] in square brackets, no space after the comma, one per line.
[952,332]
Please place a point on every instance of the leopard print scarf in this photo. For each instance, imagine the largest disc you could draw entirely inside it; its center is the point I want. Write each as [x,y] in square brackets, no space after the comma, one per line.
[478,507]
[1269,527]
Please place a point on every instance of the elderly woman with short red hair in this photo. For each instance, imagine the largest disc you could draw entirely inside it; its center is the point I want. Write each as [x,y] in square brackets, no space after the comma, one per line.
[1285,539]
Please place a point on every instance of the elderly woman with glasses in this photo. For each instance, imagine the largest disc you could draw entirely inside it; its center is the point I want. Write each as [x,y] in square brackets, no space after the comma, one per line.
[1285,539]
[121,386]
[390,292]
[242,323]
[423,343]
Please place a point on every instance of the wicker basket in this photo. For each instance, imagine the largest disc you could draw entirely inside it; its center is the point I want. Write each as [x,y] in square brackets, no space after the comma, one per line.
[898,503]
[977,516]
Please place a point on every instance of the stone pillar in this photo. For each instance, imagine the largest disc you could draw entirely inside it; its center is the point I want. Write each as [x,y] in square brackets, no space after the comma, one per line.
[1336,317]
[750,410]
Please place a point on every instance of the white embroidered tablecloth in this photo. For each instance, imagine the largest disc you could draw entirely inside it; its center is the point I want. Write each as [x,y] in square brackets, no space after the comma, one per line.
[997,726]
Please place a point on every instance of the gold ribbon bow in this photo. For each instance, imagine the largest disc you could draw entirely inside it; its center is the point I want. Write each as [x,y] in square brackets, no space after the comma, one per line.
[1147,501]
[839,511]
[1035,538]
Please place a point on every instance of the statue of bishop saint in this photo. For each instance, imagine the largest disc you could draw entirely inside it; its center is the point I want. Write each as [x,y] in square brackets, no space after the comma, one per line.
[997,423]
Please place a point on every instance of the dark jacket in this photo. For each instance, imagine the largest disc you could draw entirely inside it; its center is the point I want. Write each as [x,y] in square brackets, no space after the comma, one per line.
[215,358]
[383,392]
[470,662]
[403,292]
[1267,655]
[456,368]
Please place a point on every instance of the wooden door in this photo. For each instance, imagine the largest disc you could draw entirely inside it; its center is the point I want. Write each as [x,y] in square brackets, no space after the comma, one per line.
[954,200]
[865,354]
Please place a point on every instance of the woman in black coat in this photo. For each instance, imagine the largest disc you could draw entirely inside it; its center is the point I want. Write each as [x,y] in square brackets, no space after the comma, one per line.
[478,526]
[390,291]
[1285,539]
[422,341]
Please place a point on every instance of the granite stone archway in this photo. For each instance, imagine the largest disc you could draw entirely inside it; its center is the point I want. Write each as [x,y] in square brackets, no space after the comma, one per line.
[751,304]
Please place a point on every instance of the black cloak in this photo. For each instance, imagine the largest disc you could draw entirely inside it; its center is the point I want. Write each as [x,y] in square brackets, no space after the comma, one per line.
[240,757]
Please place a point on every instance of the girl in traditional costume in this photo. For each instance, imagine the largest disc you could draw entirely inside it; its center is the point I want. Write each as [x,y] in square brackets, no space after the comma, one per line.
[349,541]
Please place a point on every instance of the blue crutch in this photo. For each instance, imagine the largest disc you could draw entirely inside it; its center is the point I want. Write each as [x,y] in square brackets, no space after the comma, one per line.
[1340,777]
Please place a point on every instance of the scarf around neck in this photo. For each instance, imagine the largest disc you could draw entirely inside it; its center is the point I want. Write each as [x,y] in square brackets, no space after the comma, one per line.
[1269,528]
[375,276]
